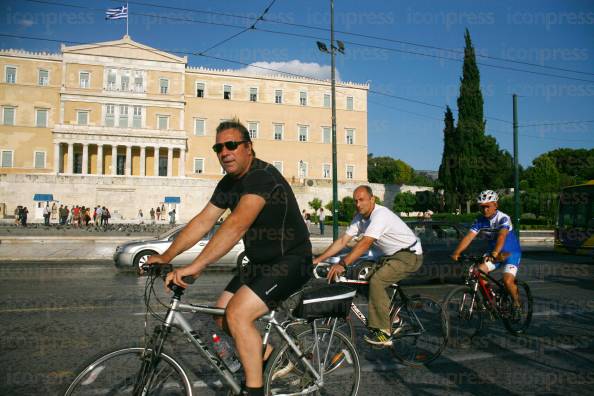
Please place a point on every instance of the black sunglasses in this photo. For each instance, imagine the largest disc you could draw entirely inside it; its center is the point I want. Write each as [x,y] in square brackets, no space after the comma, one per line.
[230,145]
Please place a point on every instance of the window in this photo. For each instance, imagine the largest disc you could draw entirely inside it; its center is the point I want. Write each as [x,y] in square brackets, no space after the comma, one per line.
[350,170]
[39,160]
[7,158]
[278,96]
[138,82]
[125,83]
[326,170]
[279,166]
[137,118]
[43,77]
[162,122]
[8,115]
[123,120]
[82,117]
[253,129]
[10,77]
[326,135]
[349,103]
[302,133]
[253,94]
[41,118]
[227,92]
[198,165]
[164,84]
[302,169]
[199,90]
[199,127]
[111,79]
[84,79]
[327,100]
[109,115]
[303,98]
[350,136]
[278,131]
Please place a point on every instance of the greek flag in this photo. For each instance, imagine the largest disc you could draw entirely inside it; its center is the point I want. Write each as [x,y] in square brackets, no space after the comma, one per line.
[117,13]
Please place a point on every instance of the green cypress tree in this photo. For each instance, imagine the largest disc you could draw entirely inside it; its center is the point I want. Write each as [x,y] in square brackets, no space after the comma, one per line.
[448,161]
[471,127]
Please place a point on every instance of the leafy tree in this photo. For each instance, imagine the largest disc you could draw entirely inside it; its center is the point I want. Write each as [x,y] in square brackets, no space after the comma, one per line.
[447,176]
[346,208]
[315,204]
[543,176]
[404,202]
[426,200]
[387,170]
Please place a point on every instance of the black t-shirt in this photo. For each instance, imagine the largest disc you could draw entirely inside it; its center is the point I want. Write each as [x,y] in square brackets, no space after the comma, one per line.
[279,229]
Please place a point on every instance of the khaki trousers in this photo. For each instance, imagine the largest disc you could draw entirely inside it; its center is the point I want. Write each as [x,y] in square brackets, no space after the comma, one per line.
[392,269]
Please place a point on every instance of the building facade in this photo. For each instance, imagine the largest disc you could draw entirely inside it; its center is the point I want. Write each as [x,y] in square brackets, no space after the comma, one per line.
[122,113]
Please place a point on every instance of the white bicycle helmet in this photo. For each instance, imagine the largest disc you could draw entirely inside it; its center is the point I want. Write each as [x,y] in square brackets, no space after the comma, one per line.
[487,196]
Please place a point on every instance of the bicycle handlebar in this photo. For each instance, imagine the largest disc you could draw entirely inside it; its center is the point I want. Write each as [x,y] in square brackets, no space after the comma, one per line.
[162,270]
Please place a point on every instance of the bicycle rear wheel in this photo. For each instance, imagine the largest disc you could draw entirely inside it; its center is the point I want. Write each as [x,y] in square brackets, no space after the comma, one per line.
[118,373]
[285,373]
[517,327]
[465,316]
[422,331]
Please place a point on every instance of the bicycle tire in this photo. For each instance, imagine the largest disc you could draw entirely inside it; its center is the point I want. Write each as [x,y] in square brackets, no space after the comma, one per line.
[512,326]
[465,317]
[96,378]
[286,373]
[422,331]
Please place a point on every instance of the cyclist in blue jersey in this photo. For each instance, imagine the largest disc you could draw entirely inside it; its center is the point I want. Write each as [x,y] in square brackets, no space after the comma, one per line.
[503,244]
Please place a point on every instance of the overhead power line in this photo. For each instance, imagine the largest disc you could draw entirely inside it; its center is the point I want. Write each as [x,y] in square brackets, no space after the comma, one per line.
[386,39]
[321,38]
[555,123]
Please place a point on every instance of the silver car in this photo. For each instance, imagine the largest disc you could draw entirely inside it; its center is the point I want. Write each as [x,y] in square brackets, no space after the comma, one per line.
[134,254]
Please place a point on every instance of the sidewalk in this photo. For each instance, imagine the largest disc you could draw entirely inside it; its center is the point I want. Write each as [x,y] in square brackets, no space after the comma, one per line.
[91,247]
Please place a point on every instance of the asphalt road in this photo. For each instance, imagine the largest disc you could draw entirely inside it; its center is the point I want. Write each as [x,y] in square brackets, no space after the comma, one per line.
[56,316]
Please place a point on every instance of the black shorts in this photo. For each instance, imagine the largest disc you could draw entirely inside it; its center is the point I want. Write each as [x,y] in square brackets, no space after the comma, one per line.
[274,282]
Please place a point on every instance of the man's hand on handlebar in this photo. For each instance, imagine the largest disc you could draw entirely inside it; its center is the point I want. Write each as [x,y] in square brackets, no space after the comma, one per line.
[335,271]
[157,259]
[176,277]
[455,256]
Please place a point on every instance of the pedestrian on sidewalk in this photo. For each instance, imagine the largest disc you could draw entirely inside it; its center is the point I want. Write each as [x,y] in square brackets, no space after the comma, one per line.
[54,211]
[158,213]
[321,218]
[152,213]
[24,214]
[46,214]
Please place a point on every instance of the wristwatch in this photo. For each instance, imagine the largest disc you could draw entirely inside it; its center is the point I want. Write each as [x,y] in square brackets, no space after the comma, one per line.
[341,262]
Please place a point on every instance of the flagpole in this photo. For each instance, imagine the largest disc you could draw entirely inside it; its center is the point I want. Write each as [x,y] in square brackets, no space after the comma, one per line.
[127,17]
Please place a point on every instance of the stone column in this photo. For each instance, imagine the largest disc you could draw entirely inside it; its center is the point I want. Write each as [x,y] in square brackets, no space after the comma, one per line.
[70,158]
[114,159]
[99,159]
[156,164]
[57,158]
[128,171]
[182,163]
[142,161]
[169,161]
[85,162]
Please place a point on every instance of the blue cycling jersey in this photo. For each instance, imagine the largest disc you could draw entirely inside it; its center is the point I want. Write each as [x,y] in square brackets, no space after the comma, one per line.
[491,227]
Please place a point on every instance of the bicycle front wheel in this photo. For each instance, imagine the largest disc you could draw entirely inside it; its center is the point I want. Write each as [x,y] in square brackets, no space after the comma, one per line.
[420,331]
[517,326]
[121,371]
[465,316]
[285,373]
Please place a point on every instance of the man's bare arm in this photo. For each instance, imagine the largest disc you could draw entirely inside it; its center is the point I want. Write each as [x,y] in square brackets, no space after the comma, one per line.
[463,245]
[194,231]
[336,247]
[361,247]
[500,242]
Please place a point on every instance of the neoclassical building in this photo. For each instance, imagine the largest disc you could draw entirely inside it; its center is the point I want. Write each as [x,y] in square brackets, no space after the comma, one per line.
[122,113]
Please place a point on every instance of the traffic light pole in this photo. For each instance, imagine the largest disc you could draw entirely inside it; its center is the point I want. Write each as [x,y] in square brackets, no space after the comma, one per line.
[334,154]
[516,170]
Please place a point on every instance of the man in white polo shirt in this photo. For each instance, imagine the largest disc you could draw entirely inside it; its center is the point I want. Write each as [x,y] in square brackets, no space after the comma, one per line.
[382,229]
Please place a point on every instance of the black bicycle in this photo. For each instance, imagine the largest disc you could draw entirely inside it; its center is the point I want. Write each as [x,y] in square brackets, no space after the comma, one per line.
[419,323]
[483,297]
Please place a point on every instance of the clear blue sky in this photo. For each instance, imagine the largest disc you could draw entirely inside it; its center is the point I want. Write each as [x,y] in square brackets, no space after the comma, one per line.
[553,33]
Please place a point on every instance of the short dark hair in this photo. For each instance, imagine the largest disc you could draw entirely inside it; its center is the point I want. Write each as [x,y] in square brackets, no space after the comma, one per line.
[367,188]
[236,124]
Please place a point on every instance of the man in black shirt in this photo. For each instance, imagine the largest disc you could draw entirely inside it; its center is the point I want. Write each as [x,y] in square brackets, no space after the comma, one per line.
[264,212]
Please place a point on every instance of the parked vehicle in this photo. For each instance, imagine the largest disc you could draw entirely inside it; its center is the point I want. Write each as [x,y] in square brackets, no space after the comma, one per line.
[134,254]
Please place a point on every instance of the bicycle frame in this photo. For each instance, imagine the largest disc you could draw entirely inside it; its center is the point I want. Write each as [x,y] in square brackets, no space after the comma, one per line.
[480,284]
[174,318]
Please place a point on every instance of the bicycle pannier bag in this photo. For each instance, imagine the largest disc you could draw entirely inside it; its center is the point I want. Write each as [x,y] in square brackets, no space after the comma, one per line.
[332,301]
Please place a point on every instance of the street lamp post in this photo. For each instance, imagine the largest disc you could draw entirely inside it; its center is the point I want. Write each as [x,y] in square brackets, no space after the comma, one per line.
[340,48]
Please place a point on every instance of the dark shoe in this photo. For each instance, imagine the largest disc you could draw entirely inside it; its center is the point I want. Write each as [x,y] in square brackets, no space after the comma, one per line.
[378,337]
